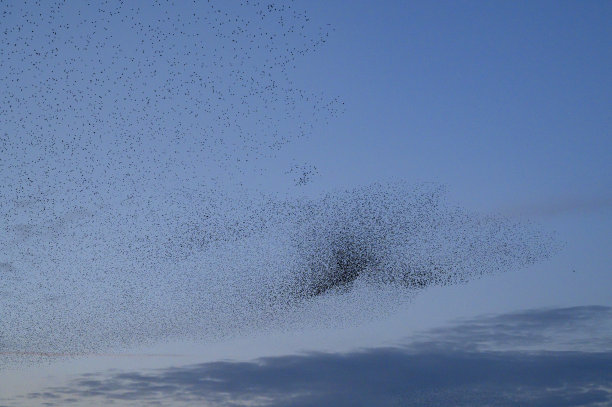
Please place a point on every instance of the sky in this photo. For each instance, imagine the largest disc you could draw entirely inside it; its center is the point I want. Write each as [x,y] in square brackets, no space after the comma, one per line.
[305,203]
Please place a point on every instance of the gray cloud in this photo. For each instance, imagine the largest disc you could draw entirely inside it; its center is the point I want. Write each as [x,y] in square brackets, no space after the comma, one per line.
[564,205]
[392,376]
[584,328]
[463,373]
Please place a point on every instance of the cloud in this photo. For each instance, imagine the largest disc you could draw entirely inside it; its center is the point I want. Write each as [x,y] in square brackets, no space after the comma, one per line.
[390,376]
[564,205]
[462,374]
[587,328]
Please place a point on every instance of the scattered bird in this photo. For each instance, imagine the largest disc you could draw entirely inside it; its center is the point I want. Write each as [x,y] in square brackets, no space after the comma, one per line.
[123,126]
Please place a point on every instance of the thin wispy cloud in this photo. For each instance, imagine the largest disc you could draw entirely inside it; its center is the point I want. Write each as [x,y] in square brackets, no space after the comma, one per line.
[584,328]
[563,205]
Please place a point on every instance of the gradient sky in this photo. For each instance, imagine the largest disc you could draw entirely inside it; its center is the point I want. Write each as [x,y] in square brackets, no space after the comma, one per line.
[507,104]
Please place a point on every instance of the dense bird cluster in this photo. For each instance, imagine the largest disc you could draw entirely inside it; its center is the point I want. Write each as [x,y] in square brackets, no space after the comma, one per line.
[303,174]
[121,125]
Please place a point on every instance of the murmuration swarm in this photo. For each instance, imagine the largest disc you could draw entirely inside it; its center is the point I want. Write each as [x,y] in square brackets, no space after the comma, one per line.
[195,268]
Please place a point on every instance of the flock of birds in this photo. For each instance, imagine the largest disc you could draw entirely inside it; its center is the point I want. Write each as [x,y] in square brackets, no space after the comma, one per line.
[122,125]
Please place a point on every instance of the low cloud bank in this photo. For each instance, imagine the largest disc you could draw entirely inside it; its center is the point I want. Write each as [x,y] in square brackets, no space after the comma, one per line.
[473,363]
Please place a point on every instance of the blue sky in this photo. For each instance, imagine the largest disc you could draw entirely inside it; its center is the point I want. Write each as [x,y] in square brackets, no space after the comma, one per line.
[123,127]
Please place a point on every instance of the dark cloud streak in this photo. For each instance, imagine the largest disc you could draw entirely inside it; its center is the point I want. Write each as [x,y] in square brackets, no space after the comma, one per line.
[450,369]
